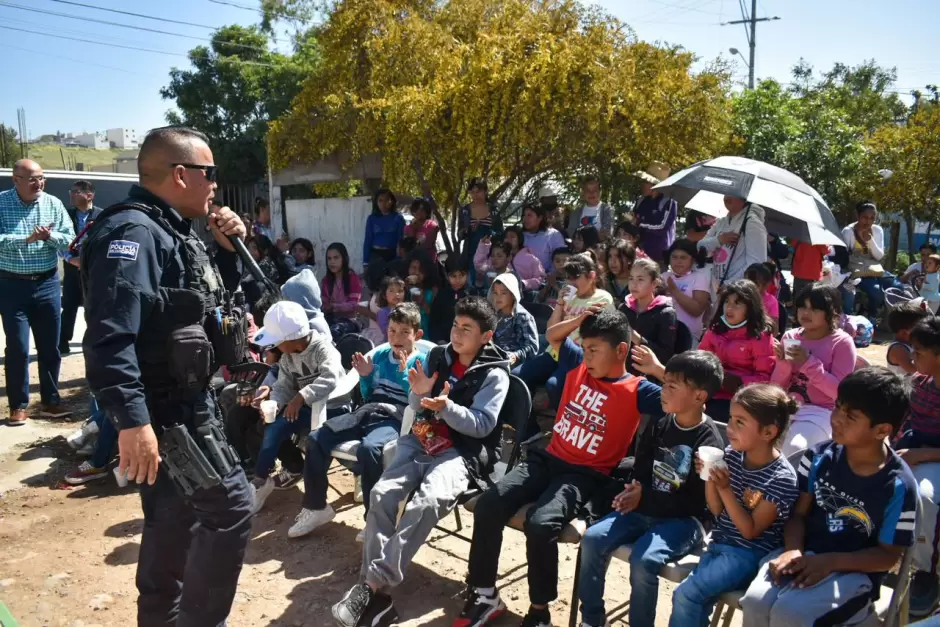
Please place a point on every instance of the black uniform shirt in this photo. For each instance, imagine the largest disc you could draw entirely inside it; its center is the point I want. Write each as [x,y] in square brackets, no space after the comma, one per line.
[126,258]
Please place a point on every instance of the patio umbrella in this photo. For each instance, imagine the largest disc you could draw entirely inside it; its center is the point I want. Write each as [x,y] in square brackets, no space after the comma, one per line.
[794,209]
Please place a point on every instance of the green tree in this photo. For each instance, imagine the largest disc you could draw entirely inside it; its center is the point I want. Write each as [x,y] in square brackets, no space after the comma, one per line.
[235,87]
[9,147]
[512,90]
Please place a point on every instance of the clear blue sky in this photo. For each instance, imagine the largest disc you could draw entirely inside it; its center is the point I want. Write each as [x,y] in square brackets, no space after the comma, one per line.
[77,86]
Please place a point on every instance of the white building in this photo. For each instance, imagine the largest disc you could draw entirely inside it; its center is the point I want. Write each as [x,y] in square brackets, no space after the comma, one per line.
[123,138]
[98,141]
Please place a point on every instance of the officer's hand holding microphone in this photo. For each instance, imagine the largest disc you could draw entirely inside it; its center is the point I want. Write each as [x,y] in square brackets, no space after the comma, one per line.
[137,446]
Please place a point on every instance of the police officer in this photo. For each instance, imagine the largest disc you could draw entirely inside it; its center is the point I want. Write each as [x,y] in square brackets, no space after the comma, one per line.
[139,263]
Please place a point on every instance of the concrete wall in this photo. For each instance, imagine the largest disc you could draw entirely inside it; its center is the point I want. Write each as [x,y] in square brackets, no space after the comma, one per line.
[327,220]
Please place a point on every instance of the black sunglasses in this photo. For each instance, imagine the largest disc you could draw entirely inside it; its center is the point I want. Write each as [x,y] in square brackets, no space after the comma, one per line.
[211,171]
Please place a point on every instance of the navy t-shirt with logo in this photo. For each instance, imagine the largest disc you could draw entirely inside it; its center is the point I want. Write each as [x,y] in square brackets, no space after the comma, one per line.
[850,512]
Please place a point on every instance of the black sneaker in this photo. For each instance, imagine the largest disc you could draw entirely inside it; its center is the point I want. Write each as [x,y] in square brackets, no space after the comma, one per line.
[380,613]
[479,610]
[537,618]
[285,480]
[351,609]
[925,593]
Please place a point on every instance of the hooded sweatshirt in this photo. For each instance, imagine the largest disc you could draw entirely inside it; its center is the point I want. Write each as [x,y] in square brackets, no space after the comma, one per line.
[312,373]
[525,264]
[304,290]
[473,405]
[442,310]
[516,333]
[741,354]
[656,324]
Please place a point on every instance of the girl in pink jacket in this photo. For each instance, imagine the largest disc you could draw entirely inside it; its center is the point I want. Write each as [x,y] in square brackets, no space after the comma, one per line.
[524,263]
[740,336]
[811,362]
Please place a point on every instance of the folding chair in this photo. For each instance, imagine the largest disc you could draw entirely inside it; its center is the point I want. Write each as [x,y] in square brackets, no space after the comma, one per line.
[514,413]
[349,345]
[541,312]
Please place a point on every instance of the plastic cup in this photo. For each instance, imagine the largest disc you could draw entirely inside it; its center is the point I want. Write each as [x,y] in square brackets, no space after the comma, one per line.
[415,292]
[790,342]
[120,477]
[569,292]
[711,457]
[269,411]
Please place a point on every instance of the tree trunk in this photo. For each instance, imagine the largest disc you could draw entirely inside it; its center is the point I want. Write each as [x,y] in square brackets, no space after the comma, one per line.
[911,224]
[892,255]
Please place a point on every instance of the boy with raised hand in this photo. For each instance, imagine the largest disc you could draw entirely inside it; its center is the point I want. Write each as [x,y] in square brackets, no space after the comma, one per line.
[661,513]
[854,517]
[919,446]
[383,381]
[597,419]
[308,370]
[457,396]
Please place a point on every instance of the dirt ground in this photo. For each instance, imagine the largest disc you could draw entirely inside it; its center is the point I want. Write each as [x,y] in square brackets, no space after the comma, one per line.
[68,557]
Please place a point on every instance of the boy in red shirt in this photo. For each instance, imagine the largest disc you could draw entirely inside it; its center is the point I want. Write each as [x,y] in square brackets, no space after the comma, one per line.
[597,419]
[807,265]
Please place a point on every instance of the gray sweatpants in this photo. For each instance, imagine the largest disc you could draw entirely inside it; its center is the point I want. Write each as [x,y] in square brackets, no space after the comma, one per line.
[844,598]
[389,548]
[927,551]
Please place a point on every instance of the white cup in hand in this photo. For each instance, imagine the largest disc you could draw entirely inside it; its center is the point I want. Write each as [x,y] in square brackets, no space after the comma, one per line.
[790,342]
[269,411]
[711,457]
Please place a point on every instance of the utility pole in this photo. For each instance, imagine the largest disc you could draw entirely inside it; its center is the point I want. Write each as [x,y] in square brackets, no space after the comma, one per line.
[750,21]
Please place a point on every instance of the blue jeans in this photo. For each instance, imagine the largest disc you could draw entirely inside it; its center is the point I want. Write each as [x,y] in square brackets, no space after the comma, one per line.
[874,288]
[276,434]
[722,569]
[655,541]
[373,436]
[107,436]
[37,305]
[542,369]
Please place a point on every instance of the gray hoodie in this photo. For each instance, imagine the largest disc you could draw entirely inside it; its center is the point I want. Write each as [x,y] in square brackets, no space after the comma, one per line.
[516,333]
[312,373]
[304,290]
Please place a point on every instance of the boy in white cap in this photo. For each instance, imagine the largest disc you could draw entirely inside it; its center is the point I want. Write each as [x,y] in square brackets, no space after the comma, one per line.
[309,368]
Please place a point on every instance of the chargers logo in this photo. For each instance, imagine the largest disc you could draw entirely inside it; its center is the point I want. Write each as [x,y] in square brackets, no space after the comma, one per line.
[123,249]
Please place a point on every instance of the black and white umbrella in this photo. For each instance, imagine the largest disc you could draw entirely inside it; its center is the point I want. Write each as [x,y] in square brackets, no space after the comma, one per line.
[794,209]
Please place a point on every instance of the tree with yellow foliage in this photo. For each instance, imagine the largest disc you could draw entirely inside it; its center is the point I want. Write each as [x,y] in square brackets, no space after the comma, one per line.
[511,90]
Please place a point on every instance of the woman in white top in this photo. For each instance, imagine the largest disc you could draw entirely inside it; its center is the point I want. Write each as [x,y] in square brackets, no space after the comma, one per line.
[866,243]
[736,241]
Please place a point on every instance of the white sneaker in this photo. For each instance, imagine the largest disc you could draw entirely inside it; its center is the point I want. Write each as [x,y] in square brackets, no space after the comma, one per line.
[361,536]
[309,519]
[77,438]
[261,489]
[357,490]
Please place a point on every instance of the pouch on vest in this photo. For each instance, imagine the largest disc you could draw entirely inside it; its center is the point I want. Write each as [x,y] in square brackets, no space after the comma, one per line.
[228,331]
[191,356]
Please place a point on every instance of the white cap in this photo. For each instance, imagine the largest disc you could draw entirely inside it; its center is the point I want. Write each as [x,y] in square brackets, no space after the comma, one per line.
[547,191]
[284,321]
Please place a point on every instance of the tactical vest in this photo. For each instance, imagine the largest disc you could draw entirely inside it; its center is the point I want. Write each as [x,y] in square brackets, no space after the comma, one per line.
[194,328]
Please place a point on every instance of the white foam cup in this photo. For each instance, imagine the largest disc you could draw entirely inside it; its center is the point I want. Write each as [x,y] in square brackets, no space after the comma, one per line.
[120,477]
[269,411]
[711,457]
[415,291]
[790,342]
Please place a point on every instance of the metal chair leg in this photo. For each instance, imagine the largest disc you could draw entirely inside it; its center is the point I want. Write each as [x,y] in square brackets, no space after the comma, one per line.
[459,522]
[729,614]
[575,600]
[716,614]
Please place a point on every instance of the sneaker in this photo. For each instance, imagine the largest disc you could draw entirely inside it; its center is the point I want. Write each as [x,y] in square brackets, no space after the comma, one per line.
[261,489]
[537,618]
[352,608]
[54,411]
[309,519]
[479,609]
[380,613]
[357,490]
[361,536]
[85,473]
[285,480]
[925,593]
[18,418]
[78,437]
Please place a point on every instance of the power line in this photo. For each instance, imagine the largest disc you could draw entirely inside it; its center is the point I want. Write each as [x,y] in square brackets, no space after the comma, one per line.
[125,47]
[82,61]
[140,28]
[750,20]
[237,6]
[131,14]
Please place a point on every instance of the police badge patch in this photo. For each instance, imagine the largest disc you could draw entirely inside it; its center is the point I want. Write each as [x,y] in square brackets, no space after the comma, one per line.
[123,249]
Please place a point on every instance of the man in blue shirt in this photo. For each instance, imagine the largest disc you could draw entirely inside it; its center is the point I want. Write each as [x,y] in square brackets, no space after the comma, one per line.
[82,213]
[34,229]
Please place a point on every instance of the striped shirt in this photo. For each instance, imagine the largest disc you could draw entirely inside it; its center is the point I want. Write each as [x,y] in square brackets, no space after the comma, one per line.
[851,512]
[924,418]
[17,220]
[775,482]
